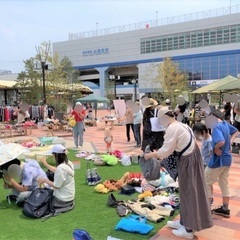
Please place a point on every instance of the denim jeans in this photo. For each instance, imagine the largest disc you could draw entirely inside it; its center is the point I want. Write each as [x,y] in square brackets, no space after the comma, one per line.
[78,130]
[137,133]
[21,196]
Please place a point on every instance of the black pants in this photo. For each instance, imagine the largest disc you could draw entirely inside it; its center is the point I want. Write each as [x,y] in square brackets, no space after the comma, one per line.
[236,124]
[128,126]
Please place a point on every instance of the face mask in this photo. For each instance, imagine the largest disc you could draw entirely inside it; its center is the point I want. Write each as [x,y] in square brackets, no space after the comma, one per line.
[200,137]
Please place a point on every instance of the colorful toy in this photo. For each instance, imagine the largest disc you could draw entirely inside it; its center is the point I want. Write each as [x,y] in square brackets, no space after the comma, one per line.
[101,188]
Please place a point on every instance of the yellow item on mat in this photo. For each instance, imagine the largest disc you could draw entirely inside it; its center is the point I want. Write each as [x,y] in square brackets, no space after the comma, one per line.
[101,188]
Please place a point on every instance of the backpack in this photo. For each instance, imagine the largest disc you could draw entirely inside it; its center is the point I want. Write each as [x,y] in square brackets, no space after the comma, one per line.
[39,203]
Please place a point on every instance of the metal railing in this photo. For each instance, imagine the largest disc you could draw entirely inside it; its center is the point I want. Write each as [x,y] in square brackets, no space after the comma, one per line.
[157,22]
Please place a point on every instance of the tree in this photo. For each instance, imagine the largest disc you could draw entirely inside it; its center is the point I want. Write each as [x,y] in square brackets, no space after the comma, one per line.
[70,73]
[110,89]
[173,81]
[57,74]
[28,83]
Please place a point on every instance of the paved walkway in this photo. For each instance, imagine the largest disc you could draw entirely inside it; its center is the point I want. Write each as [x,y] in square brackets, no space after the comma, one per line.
[224,229]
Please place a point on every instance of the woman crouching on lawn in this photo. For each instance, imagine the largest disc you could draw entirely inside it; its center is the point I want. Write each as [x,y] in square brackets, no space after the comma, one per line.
[63,184]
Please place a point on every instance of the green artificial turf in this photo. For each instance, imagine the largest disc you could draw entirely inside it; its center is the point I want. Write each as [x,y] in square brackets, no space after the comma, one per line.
[90,213]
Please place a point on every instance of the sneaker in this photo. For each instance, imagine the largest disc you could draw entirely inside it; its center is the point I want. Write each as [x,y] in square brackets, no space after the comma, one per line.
[183,233]
[220,211]
[11,197]
[174,224]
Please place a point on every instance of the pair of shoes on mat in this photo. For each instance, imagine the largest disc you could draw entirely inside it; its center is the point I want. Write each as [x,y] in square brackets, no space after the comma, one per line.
[179,230]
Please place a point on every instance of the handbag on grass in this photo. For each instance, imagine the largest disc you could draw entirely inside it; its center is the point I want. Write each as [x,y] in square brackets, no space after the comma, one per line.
[170,163]
[92,176]
[127,190]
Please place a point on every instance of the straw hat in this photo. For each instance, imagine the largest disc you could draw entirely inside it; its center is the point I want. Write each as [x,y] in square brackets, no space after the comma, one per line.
[152,103]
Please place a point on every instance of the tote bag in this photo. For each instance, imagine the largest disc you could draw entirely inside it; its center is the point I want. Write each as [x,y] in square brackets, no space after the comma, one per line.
[155,125]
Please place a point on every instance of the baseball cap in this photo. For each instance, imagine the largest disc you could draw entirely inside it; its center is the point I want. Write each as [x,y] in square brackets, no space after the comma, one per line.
[78,103]
[162,111]
[58,148]
[167,101]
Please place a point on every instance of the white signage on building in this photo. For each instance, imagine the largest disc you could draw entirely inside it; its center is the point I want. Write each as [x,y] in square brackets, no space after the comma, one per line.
[99,51]
[202,82]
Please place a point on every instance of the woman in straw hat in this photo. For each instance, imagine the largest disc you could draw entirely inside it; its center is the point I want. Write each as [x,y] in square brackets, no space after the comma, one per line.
[154,139]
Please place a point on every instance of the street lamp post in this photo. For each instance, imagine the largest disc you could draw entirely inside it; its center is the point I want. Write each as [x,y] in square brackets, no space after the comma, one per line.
[44,67]
[135,81]
[42,54]
[114,78]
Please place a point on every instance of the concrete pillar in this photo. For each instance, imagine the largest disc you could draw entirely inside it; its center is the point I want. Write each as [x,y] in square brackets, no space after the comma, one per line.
[103,77]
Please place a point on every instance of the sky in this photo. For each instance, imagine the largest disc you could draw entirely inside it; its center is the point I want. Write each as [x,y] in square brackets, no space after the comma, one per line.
[24,25]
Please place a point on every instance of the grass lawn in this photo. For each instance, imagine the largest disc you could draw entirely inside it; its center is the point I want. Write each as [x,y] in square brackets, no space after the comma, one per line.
[90,213]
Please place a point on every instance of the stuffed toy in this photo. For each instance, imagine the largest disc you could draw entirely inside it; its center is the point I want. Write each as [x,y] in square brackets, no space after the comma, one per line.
[101,188]
[113,185]
[109,159]
[110,185]
[72,122]
[145,194]
[117,153]
[131,178]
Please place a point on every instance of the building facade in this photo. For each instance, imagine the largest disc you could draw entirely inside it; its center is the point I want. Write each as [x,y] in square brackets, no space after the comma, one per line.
[206,45]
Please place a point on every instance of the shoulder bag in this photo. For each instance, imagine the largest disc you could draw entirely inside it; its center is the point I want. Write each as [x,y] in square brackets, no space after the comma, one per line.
[170,163]
[155,125]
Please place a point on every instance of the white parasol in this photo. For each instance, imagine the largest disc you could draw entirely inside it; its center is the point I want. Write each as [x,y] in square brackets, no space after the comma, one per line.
[10,151]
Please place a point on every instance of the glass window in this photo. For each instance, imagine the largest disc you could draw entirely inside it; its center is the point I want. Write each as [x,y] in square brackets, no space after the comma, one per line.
[153,46]
[181,64]
[199,38]
[193,39]
[232,72]
[206,37]
[170,43]
[232,59]
[214,74]
[223,59]
[181,42]
[213,37]
[187,41]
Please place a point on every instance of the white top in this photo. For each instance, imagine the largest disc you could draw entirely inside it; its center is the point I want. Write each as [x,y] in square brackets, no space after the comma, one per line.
[20,118]
[27,115]
[64,182]
[176,138]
